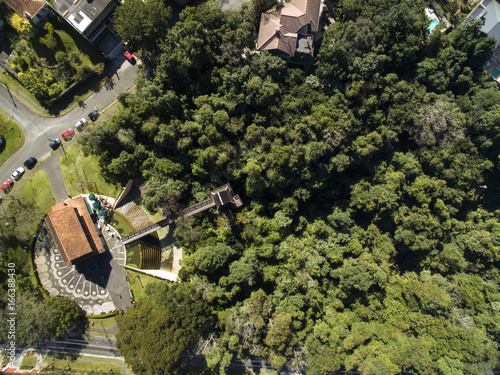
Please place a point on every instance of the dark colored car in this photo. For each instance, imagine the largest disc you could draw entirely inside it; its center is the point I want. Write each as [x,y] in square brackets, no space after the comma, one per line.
[30,163]
[7,185]
[67,135]
[54,145]
[129,57]
[94,115]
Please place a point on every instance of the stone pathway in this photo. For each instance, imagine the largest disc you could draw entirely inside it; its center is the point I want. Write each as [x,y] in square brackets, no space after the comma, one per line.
[84,285]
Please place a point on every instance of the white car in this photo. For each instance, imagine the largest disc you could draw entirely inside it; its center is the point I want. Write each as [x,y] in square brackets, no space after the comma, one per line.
[18,173]
[80,124]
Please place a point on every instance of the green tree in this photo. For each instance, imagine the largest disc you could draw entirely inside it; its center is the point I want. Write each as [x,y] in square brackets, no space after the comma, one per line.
[22,26]
[142,24]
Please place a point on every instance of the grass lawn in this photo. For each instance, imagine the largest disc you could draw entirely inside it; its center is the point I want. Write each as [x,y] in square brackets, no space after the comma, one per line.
[83,175]
[103,323]
[13,133]
[79,366]
[133,254]
[21,213]
[138,284]
[92,52]
[28,363]
[24,209]
[118,222]
[13,85]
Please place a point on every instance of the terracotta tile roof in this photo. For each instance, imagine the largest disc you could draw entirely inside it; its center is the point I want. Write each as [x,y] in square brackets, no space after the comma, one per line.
[73,230]
[30,6]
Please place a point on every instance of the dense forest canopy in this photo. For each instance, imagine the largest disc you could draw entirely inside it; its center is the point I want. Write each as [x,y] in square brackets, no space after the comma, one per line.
[365,241]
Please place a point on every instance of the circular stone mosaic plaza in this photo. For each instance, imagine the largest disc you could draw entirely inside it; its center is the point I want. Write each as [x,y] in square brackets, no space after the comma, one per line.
[88,283]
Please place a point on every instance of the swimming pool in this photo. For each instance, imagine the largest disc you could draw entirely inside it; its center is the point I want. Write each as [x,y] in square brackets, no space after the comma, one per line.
[495,72]
[432,25]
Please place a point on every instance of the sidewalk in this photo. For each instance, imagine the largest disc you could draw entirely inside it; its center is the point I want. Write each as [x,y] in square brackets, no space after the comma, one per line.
[30,101]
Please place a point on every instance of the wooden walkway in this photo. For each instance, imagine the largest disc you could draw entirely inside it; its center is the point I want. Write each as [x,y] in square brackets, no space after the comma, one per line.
[189,211]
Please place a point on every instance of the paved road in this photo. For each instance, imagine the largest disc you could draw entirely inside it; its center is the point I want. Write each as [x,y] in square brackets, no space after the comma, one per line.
[51,166]
[39,129]
[95,346]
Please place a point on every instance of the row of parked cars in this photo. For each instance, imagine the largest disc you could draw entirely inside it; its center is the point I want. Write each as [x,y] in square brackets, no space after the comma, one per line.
[18,173]
[54,145]
[68,134]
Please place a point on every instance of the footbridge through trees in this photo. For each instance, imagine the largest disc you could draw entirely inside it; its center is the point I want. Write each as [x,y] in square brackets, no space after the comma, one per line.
[221,197]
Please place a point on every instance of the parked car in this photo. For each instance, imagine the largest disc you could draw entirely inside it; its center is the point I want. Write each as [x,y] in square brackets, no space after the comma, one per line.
[18,173]
[129,57]
[54,144]
[94,115]
[68,134]
[80,124]
[30,163]
[6,186]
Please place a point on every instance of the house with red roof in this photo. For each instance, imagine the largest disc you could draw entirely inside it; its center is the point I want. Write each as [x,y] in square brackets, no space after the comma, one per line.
[35,11]
[73,230]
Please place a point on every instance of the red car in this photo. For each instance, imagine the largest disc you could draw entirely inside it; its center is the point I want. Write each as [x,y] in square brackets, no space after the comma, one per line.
[129,57]
[7,185]
[67,135]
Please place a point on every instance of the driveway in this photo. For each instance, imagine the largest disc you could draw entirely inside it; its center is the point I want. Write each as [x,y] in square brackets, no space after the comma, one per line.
[39,129]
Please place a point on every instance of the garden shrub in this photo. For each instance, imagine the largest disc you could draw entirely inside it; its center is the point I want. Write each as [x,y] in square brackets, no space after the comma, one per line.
[54,90]
[20,63]
[83,71]
[61,57]
[22,47]
[99,69]
[22,26]
[51,42]
[74,56]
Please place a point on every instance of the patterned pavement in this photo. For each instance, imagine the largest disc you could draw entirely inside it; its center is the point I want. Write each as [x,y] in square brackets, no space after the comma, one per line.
[98,285]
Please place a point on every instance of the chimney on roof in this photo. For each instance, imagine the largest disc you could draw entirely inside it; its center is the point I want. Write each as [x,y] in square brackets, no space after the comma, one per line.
[277,30]
[282,3]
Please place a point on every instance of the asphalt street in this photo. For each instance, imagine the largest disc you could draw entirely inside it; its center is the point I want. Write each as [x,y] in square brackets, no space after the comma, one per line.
[94,346]
[39,129]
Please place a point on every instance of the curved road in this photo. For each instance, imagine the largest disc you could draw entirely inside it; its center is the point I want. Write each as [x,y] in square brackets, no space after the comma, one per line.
[38,129]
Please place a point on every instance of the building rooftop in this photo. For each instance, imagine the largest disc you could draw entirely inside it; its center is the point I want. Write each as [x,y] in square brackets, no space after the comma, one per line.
[224,196]
[73,230]
[21,7]
[489,12]
[80,13]
[282,31]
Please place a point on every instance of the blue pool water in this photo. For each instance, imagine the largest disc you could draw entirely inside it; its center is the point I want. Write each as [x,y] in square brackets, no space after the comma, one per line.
[432,25]
[495,73]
